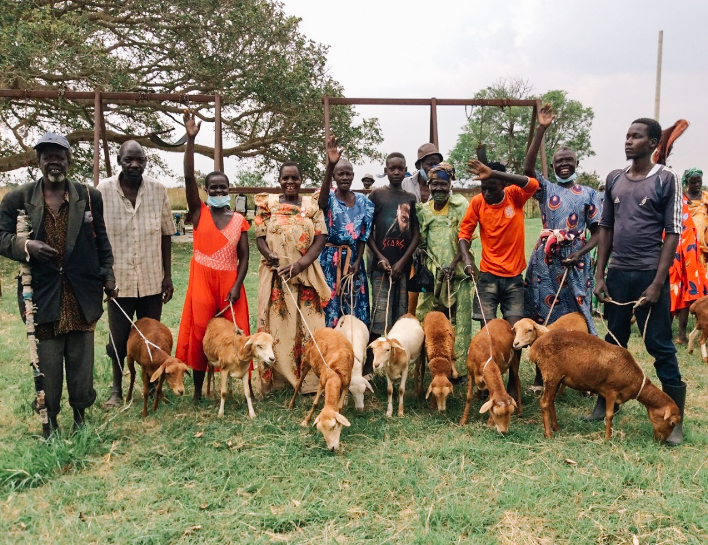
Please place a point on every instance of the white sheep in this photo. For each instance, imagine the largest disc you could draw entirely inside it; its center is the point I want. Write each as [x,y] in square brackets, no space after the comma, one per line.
[356,333]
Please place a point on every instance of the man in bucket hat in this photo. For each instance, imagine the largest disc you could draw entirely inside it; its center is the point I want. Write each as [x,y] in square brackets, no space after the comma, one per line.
[428,157]
[72,265]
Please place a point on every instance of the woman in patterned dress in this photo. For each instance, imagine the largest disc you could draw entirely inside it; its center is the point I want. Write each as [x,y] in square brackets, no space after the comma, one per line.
[348,216]
[291,233]
[219,264]
[568,210]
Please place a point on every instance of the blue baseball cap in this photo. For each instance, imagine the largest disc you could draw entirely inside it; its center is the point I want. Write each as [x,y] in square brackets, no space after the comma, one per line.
[53,138]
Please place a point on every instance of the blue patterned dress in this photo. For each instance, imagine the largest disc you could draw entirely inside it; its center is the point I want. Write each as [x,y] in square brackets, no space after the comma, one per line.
[572,210]
[346,225]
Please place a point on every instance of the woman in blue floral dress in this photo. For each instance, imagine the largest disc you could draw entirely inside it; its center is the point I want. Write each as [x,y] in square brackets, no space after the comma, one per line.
[348,216]
[568,210]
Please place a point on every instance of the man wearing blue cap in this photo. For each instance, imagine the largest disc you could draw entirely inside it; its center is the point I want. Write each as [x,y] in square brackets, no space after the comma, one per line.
[72,265]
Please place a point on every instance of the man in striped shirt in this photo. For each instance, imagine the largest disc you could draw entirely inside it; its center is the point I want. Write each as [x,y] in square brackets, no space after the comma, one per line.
[642,202]
[139,223]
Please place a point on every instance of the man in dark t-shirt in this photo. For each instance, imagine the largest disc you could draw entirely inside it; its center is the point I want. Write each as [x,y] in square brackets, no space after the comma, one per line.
[394,238]
[642,203]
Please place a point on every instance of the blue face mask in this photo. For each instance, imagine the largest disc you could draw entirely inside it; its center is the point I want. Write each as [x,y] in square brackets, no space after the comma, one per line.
[568,179]
[422,174]
[218,201]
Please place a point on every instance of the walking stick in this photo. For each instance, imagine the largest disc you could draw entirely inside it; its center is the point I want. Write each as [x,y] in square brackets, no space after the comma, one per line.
[24,228]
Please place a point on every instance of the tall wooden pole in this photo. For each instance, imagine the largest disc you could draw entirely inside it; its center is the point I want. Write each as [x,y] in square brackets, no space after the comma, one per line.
[657,97]
[96,136]
[434,122]
[218,142]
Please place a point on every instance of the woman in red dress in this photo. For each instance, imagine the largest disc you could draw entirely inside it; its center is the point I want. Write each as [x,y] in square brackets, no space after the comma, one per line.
[219,264]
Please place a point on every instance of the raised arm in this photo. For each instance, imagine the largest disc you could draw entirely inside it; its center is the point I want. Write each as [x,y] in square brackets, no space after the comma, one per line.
[483,172]
[194,203]
[545,117]
[333,155]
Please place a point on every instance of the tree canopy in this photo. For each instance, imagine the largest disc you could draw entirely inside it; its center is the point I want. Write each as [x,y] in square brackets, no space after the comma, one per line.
[271,77]
[505,131]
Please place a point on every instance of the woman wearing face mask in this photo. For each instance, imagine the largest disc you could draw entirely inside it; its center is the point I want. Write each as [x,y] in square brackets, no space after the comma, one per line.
[219,264]
[292,290]
[567,211]
[439,221]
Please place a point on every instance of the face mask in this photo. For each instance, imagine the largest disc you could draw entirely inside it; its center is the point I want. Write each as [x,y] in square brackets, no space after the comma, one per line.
[440,197]
[422,174]
[218,201]
[568,179]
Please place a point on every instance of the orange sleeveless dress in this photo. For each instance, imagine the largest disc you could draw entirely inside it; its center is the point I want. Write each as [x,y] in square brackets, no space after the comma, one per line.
[212,273]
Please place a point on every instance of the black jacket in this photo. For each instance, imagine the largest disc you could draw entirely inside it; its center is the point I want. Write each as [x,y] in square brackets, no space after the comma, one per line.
[88,259]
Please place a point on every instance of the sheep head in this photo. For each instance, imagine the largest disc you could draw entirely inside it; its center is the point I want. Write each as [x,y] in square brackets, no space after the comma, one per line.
[357,387]
[387,351]
[259,348]
[329,422]
[500,408]
[173,370]
[440,387]
[526,331]
[664,419]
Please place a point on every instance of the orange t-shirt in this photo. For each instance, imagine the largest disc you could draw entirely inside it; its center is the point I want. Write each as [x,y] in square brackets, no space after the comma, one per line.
[501,229]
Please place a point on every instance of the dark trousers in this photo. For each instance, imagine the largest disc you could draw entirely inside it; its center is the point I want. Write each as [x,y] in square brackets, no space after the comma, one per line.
[73,350]
[626,286]
[144,307]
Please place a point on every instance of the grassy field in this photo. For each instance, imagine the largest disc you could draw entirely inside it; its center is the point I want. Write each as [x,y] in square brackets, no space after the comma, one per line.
[182,475]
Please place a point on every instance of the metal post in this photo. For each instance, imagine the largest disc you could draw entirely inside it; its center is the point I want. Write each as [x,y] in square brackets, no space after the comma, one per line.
[106,153]
[326,117]
[657,97]
[96,136]
[434,122]
[218,159]
[544,159]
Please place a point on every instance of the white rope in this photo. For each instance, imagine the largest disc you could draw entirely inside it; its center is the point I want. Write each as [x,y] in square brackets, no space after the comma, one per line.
[484,319]
[644,381]
[636,304]
[147,343]
[555,299]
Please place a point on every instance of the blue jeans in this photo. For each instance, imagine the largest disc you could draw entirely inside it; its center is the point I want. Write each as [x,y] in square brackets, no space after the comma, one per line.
[624,286]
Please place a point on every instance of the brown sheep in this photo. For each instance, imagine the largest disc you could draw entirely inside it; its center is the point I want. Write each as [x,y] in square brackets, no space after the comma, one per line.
[232,354]
[584,362]
[335,374]
[527,331]
[440,351]
[156,363]
[699,309]
[491,353]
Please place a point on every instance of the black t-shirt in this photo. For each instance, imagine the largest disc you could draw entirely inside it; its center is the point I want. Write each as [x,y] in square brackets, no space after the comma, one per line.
[394,220]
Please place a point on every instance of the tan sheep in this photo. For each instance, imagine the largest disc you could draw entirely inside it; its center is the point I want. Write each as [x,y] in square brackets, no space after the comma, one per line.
[440,351]
[527,331]
[699,309]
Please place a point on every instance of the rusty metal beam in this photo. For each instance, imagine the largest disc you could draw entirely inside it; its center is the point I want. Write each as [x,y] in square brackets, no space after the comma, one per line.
[434,122]
[544,159]
[108,96]
[501,102]
[218,142]
[96,136]
[106,153]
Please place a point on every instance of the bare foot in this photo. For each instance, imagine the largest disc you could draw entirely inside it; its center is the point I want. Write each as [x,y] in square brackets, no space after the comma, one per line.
[113,402]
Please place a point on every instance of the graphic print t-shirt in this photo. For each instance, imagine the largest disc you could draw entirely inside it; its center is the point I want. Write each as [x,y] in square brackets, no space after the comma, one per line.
[394,219]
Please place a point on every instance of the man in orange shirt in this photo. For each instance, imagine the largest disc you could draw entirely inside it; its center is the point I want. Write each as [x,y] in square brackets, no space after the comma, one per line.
[499,212]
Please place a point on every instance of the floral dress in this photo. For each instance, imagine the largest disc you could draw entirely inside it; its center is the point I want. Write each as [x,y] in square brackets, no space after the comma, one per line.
[566,213]
[289,230]
[439,242]
[347,225]
[687,275]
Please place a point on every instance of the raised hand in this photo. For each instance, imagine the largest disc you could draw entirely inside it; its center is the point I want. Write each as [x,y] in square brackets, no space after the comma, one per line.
[479,169]
[334,152]
[546,115]
[190,123]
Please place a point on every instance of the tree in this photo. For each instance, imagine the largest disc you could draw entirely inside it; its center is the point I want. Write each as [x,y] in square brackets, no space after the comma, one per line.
[505,131]
[271,77]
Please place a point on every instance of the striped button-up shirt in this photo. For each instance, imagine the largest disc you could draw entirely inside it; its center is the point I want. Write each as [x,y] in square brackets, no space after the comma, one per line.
[135,234]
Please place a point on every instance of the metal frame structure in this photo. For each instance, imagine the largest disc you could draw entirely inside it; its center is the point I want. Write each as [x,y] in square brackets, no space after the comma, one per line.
[433,103]
[99,122]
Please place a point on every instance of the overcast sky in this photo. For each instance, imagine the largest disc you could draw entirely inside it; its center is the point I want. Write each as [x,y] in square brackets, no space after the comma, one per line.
[603,53]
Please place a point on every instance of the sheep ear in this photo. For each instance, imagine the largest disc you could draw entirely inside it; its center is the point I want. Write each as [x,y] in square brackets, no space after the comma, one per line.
[667,413]
[513,402]
[540,328]
[430,389]
[317,420]
[342,419]
[156,374]
[368,385]
[484,408]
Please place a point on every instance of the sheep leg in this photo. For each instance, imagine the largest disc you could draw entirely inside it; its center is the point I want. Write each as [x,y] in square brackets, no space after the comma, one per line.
[210,377]
[692,339]
[420,377]
[343,398]
[304,369]
[470,391]
[548,405]
[224,379]
[131,366]
[402,391]
[146,391]
[389,390]
[158,391]
[514,369]
[609,413]
[306,422]
[247,393]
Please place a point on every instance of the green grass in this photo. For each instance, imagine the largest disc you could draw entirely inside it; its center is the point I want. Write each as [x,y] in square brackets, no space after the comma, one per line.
[182,475]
